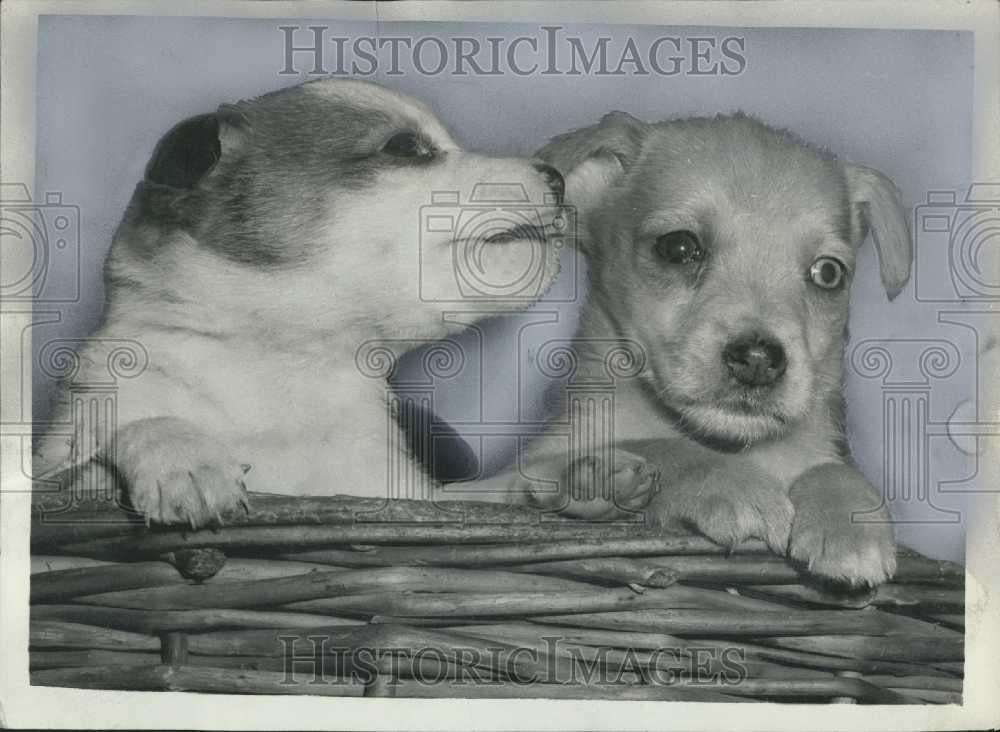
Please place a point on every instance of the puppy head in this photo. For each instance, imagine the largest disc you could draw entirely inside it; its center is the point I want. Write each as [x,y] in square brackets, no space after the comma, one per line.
[310,206]
[726,248]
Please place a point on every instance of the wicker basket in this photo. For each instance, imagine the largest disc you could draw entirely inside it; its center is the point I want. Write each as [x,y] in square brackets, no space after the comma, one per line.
[344,596]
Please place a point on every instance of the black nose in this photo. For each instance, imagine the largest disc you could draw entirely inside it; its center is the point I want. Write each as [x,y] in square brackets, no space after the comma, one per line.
[554,180]
[755,359]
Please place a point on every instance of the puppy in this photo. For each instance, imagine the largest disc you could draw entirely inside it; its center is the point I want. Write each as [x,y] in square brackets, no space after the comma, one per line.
[722,250]
[266,244]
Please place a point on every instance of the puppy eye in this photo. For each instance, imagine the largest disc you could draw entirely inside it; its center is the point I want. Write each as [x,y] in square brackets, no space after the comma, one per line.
[679,247]
[828,273]
[407,145]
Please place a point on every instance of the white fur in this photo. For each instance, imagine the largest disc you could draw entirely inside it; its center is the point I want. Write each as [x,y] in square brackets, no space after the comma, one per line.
[259,364]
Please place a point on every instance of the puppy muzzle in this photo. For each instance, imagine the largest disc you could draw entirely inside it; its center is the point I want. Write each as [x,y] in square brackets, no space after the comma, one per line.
[755,360]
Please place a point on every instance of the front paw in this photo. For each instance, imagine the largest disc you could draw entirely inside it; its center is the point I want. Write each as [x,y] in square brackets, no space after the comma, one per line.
[175,473]
[841,532]
[601,487]
[727,503]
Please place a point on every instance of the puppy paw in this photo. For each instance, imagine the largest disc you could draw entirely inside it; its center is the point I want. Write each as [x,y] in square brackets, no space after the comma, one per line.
[599,488]
[852,554]
[728,506]
[176,474]
[841,530]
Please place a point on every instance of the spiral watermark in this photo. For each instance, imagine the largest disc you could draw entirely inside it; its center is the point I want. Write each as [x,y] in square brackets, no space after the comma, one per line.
[75,455]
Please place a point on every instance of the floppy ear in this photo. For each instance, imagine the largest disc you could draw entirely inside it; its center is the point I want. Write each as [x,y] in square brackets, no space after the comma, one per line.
[876,205]
[191,149]
[593,158]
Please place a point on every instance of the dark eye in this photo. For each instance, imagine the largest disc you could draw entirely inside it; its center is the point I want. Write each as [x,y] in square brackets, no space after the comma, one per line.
[679,247]
[827,272]
[407,145]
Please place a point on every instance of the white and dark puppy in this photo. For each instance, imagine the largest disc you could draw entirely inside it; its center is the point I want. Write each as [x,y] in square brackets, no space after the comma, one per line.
[266,243]
[725,249]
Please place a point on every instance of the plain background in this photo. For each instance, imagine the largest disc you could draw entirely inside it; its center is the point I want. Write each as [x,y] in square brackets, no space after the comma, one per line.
[899,101]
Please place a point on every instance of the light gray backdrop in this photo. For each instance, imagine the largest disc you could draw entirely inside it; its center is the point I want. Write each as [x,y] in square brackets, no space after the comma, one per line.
[900,101]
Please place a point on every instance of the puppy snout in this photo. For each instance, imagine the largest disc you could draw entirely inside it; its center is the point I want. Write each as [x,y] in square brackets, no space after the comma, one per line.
[755,359]
[553,179]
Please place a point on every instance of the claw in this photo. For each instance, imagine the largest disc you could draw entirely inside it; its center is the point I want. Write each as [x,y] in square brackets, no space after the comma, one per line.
[244,501]
[159,494]
[246,467]
[201,497]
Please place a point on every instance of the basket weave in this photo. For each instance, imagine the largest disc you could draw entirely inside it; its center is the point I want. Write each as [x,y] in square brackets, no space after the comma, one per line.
[345,596]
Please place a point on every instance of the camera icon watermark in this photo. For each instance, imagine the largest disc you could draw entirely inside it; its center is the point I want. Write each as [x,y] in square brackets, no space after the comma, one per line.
[39,238]
[958,246]
[496,246]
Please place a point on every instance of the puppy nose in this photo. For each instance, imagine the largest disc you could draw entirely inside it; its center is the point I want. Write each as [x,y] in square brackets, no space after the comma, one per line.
[554,180]
[755,359]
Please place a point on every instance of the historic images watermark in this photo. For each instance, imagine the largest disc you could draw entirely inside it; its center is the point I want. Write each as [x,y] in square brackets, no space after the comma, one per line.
[550,51]
[956,282]
[322,660]
[505,255]
[917,380]
[40,284]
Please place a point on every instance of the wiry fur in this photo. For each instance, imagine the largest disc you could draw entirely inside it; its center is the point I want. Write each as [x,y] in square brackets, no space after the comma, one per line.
[735,462]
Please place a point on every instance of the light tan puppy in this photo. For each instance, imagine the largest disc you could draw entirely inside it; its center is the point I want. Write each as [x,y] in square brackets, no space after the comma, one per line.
[724,250]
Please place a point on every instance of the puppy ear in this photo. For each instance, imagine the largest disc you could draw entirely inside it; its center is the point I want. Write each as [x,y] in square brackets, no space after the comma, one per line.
[191,149]
[877,206]
[588,181]
[594,157]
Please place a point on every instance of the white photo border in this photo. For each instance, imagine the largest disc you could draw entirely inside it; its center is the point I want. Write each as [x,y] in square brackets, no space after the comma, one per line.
[24,706]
